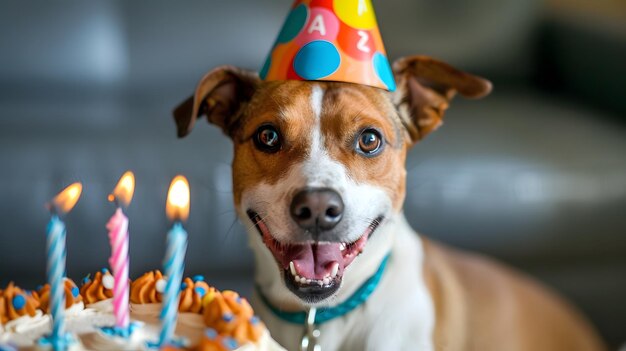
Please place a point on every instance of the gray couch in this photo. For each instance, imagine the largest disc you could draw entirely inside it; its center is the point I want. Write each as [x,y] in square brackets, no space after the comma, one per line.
[534,175]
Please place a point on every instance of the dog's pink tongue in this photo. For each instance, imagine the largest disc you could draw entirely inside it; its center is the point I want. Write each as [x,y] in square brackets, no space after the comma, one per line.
[315,261]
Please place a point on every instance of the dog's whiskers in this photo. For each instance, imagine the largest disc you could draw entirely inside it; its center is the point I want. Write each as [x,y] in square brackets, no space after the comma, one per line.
[230,229]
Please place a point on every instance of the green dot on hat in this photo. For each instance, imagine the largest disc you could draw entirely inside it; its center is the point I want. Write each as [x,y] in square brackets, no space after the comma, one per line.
[293,24]
[266,67]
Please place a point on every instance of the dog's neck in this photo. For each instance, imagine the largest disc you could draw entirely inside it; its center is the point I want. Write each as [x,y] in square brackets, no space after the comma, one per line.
[270,283]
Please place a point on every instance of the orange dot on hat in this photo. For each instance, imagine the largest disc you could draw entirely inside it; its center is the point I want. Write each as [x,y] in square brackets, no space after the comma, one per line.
[357,43]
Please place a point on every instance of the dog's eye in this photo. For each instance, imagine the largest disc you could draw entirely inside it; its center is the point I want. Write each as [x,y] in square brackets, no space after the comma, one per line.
[370,142]
[267,139]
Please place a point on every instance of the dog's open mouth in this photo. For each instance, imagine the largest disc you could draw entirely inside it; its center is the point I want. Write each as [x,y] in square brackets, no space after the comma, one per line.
[313,270]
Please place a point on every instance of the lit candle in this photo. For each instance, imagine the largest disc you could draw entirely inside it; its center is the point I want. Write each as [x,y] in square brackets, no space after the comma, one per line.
[177,210]
[118,236]
[55,269]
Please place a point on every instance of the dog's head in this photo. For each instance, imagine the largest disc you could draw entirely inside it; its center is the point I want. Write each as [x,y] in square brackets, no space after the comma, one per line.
[319,166]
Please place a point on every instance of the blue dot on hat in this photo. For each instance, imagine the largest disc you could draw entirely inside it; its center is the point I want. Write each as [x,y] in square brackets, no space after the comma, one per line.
[75,292]
[19,302]
[293,24]
[383,70]
[316,60]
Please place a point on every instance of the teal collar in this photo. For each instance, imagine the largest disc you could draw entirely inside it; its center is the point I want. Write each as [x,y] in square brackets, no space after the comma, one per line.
[323,315]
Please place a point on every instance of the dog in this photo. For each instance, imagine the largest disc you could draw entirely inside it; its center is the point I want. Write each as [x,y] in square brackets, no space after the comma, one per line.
[319,179]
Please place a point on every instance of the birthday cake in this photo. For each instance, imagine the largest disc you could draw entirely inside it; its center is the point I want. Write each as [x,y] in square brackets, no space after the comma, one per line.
[208,319]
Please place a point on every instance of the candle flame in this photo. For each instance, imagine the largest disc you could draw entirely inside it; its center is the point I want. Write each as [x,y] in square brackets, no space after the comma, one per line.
[124,190]
[66,199]
[177,208]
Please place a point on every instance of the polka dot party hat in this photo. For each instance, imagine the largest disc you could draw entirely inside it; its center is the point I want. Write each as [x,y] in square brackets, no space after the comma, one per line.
[331,40]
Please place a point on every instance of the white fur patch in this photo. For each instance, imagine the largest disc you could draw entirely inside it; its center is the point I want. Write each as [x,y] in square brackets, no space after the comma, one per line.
[400,309]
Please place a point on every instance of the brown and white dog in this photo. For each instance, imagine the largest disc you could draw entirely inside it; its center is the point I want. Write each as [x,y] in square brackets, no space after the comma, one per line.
[319,179]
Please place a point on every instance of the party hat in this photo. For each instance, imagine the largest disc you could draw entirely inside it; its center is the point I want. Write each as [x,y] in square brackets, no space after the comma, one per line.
[331,40]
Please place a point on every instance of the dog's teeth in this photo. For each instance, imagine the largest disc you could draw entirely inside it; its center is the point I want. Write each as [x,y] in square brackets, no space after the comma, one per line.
[292,267]
[333,273]
[342,246]
[308,281]
[326,281]
[320,282]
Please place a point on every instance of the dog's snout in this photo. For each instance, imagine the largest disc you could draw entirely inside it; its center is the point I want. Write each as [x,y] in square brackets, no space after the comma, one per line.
[317,209]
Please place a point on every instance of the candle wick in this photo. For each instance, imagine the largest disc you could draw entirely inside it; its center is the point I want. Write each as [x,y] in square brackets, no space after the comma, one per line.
[54,211]
[115,201]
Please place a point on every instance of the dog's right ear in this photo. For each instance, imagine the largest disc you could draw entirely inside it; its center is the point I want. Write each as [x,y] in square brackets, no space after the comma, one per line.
[425,88]
[221,95]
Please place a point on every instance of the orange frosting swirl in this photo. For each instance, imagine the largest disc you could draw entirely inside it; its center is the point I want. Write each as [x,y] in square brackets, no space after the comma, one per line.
[144,289]
[15,303]
[191,295]
[72,295]
[231,315]
[94,290]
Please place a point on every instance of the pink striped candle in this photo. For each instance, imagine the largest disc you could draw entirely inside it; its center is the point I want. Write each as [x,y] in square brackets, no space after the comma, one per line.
[118,236]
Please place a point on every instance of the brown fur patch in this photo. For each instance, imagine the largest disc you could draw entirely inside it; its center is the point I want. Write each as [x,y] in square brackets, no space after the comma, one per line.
[346,110]
[482,305]
[286,106]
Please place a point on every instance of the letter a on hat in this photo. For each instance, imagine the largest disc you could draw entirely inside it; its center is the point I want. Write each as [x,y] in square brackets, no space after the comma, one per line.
[330,40]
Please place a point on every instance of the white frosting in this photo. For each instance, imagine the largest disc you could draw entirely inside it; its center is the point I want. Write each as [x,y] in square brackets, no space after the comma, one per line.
[27,324]
[98,340]
[104,306]
[266,343]
[24,332]
[75,310]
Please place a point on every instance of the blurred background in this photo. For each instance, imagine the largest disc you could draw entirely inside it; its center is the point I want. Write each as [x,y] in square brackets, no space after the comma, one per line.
[534,175]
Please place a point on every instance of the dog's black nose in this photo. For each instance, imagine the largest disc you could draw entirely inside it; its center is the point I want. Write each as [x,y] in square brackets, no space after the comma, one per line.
[317,209]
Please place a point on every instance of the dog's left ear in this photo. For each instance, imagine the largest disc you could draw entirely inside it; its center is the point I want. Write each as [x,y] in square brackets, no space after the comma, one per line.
[425,86]
[220,95]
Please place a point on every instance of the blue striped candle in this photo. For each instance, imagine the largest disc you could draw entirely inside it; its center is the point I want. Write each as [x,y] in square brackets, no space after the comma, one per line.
[55,267]
[177,210]
[173,266]
[56,275]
